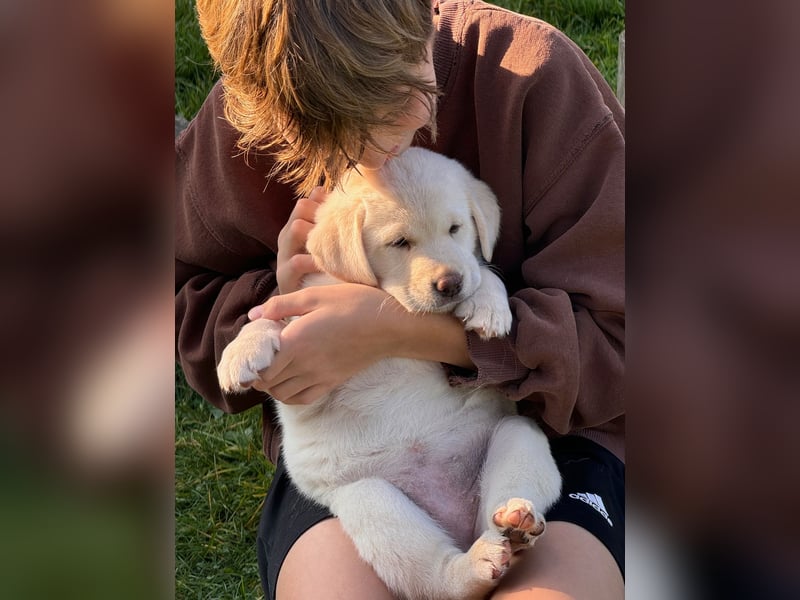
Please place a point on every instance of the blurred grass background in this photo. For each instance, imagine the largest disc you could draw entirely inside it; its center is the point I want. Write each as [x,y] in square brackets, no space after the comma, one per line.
[221,476]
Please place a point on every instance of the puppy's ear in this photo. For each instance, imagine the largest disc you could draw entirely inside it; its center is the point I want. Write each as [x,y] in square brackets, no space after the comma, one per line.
[486,214]
[336,242]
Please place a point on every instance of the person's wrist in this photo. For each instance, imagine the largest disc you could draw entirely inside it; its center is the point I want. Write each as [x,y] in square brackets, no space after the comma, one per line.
[397,340]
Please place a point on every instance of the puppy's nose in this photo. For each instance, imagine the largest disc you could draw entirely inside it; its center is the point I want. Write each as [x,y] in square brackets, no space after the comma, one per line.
[448,285]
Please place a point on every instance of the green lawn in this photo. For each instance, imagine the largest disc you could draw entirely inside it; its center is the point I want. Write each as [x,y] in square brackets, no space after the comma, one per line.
[221,475]
[194,73]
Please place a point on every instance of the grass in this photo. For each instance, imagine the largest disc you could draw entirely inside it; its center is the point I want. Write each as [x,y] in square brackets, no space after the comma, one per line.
[221,475]
[194,72]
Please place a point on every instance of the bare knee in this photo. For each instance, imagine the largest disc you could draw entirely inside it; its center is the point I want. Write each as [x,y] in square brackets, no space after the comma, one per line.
[324,564]
[567,563]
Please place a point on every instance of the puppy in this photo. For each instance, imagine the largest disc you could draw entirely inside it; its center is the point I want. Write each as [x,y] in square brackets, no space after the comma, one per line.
[437,486]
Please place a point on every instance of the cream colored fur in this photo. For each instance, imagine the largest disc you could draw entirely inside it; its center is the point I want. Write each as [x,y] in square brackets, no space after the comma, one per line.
[437,486]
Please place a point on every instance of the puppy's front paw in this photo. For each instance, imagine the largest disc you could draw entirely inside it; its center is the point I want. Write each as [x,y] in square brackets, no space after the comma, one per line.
[519,522]
[485,316]
[251,352]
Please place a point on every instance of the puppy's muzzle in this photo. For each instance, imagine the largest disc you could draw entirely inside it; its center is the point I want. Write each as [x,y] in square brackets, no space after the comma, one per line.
[448,285]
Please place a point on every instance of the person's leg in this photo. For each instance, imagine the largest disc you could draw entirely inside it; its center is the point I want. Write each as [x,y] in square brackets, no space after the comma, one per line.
[582,552]
[402,543]
[323,563]
[300,537]
[304,552]
[567,562]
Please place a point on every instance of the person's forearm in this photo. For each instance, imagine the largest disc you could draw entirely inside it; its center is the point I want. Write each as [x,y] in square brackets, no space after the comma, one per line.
[434,337]
[209,311]
[374,322]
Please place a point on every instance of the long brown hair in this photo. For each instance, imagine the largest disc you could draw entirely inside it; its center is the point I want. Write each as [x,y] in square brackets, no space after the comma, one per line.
[309,80]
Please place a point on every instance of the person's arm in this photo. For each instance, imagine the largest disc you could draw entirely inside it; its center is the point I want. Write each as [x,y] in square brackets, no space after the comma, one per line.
[564,358]
[226,227]
[434,337]
[342,329]
[565,353]
[210,309]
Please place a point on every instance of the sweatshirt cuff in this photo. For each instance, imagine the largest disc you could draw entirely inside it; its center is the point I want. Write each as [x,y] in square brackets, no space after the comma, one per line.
[495,360]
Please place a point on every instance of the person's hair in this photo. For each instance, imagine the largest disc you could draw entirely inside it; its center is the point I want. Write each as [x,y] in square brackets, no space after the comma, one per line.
[311,80]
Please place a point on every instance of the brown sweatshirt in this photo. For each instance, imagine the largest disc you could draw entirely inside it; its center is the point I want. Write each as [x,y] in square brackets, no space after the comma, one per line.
[525,110]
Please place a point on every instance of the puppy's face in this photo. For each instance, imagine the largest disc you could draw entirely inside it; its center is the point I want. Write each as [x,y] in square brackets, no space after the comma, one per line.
[417,228]
[422,249]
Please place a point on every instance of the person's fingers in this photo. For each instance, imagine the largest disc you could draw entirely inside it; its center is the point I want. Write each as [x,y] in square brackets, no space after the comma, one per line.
[291,272]
[298,234]
[255,312]
[302,264]
[305,209]
[277,374]
[292,237]
[309,395]
[318,195]
[293,389]
[293,261]
[296,391]
[295,304]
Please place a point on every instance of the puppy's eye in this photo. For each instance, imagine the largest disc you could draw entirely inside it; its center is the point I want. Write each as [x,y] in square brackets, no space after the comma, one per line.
[400,243]
[454,229]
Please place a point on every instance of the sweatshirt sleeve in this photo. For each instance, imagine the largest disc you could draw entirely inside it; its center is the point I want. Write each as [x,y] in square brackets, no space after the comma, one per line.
[226,224]
[210,309]
[566,349]
[564,358]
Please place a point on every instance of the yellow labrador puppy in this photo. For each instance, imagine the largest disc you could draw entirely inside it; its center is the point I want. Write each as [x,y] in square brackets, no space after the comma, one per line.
[438,486]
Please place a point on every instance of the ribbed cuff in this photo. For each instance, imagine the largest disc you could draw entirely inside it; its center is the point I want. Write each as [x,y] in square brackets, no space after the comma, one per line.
[495,360]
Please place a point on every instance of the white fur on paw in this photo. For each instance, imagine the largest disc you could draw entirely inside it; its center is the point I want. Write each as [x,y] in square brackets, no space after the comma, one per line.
[252,351]
[488,319]
[489,556]
[519,522]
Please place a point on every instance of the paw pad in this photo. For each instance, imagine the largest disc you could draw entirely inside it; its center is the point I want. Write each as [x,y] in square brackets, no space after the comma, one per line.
[518,521]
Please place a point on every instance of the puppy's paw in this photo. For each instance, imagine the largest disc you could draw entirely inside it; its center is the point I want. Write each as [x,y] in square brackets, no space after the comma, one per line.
[489,317]
[490,556]
[519,522]
[252,351]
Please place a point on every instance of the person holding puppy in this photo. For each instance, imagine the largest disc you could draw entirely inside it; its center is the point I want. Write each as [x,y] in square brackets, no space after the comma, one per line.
[308,91]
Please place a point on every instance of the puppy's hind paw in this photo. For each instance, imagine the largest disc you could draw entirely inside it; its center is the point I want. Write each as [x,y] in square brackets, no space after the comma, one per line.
[490,556]
[251,352]
[519,522]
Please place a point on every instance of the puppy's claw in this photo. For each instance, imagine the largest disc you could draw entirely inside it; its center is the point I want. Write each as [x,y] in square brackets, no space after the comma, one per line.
[490,555]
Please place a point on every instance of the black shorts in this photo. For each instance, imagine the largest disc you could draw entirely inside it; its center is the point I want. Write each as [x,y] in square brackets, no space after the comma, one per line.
[593,497]
[592,492]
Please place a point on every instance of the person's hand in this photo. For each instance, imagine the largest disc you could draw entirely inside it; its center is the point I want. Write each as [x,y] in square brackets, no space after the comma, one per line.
[293,261]
[339,331]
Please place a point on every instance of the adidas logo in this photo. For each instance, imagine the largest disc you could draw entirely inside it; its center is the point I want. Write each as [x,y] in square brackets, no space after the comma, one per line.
[595,501]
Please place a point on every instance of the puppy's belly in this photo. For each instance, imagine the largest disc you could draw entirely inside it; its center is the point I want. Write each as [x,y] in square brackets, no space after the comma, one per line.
[438,470]
[400,421]
[447,489]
